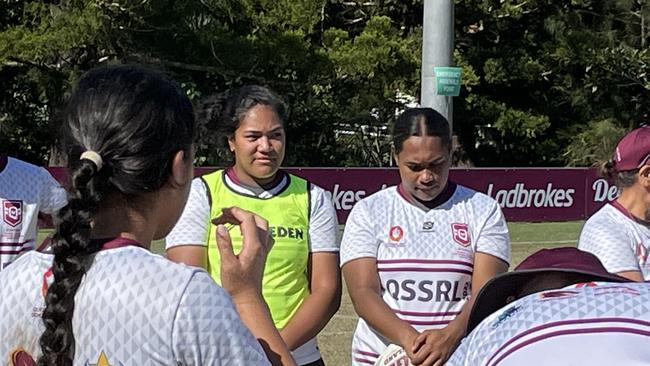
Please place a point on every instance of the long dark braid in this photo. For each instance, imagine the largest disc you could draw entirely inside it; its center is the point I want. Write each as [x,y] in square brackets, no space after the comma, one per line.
[136,120]
[73,255]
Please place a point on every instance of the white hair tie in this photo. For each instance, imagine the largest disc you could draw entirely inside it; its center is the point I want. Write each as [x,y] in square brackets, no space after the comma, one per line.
[94,157]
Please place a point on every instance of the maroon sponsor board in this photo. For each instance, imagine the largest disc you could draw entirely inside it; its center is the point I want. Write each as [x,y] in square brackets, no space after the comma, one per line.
[525,194]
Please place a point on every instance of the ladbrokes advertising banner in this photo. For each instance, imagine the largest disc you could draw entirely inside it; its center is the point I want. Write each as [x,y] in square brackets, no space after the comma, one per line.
[525,194]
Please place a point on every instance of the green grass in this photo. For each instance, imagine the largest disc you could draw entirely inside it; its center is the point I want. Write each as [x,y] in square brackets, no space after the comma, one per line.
[335,340]
[527,238]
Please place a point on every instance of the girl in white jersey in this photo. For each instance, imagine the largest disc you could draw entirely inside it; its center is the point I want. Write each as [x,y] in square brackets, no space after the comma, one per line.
[102,297]
[301,280]
[26,192]
[412,255]
[619,233]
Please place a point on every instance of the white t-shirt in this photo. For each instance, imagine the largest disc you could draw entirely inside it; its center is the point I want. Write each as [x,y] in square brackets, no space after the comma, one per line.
[132,308]
[25,190]
[618,240]
[425,259]
[194,224]
[599,324]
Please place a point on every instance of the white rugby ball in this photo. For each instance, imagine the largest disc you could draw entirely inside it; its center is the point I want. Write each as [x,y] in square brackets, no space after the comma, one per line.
[393,355]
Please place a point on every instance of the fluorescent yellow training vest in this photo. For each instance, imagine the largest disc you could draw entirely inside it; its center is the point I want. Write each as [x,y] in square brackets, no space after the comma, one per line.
[285,284]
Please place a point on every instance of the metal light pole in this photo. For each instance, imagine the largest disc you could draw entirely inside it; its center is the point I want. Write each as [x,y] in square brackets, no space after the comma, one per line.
[437,50]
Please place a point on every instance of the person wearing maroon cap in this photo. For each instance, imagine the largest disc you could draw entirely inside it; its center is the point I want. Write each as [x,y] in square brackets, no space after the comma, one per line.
[560,306]
[619,233]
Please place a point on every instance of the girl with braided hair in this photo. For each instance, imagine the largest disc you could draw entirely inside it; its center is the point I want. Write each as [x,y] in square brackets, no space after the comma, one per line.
[101,297]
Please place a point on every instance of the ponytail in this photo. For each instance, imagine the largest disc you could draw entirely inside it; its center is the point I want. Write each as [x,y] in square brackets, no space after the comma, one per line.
[622,179]
[607,170]
[73,255]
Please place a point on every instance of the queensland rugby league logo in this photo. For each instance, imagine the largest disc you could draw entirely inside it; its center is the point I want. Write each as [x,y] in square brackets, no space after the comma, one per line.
[460,233]
[12,212]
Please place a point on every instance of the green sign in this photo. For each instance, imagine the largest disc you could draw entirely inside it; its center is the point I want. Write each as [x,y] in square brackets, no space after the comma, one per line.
[447,80]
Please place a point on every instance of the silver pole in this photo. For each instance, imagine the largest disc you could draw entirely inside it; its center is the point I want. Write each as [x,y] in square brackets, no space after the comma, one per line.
[437,50]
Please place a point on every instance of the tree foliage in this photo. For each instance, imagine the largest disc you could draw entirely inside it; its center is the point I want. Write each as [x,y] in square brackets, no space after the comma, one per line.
[539,76]
[549,71]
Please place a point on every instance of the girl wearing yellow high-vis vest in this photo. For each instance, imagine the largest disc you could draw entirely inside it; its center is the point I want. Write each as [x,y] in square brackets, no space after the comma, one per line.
[301,284]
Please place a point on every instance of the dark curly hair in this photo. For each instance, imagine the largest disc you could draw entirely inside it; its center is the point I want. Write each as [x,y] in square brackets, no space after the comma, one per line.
[241,100]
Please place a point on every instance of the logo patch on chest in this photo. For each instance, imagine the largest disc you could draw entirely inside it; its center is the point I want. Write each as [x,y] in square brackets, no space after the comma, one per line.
[460,233]
[505,315]
[20,357]
[12,212]
[395,234]
[428,226]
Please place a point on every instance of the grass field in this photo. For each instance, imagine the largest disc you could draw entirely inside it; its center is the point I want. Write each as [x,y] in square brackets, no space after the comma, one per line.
[526,238]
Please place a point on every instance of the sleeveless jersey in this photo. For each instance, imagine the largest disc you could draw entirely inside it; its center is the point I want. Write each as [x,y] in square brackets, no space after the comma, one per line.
[285,283]
[425,259]
[586,324]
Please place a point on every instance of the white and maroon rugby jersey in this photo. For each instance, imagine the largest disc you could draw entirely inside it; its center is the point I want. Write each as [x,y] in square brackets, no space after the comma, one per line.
[425,259]
[596,324]
[132,308]
[618,239]
[25,190]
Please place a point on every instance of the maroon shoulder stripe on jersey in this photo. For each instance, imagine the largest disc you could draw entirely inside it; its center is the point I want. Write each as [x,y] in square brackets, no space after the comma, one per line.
[567,322]
[570,332]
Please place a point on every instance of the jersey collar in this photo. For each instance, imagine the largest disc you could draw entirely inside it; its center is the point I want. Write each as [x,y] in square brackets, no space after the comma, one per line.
[115,243]
[279,184]
[102,244]
[628,214]
[443,197]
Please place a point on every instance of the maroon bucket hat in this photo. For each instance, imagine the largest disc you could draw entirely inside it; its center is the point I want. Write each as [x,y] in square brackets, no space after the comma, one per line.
[570,260]
[633,150]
